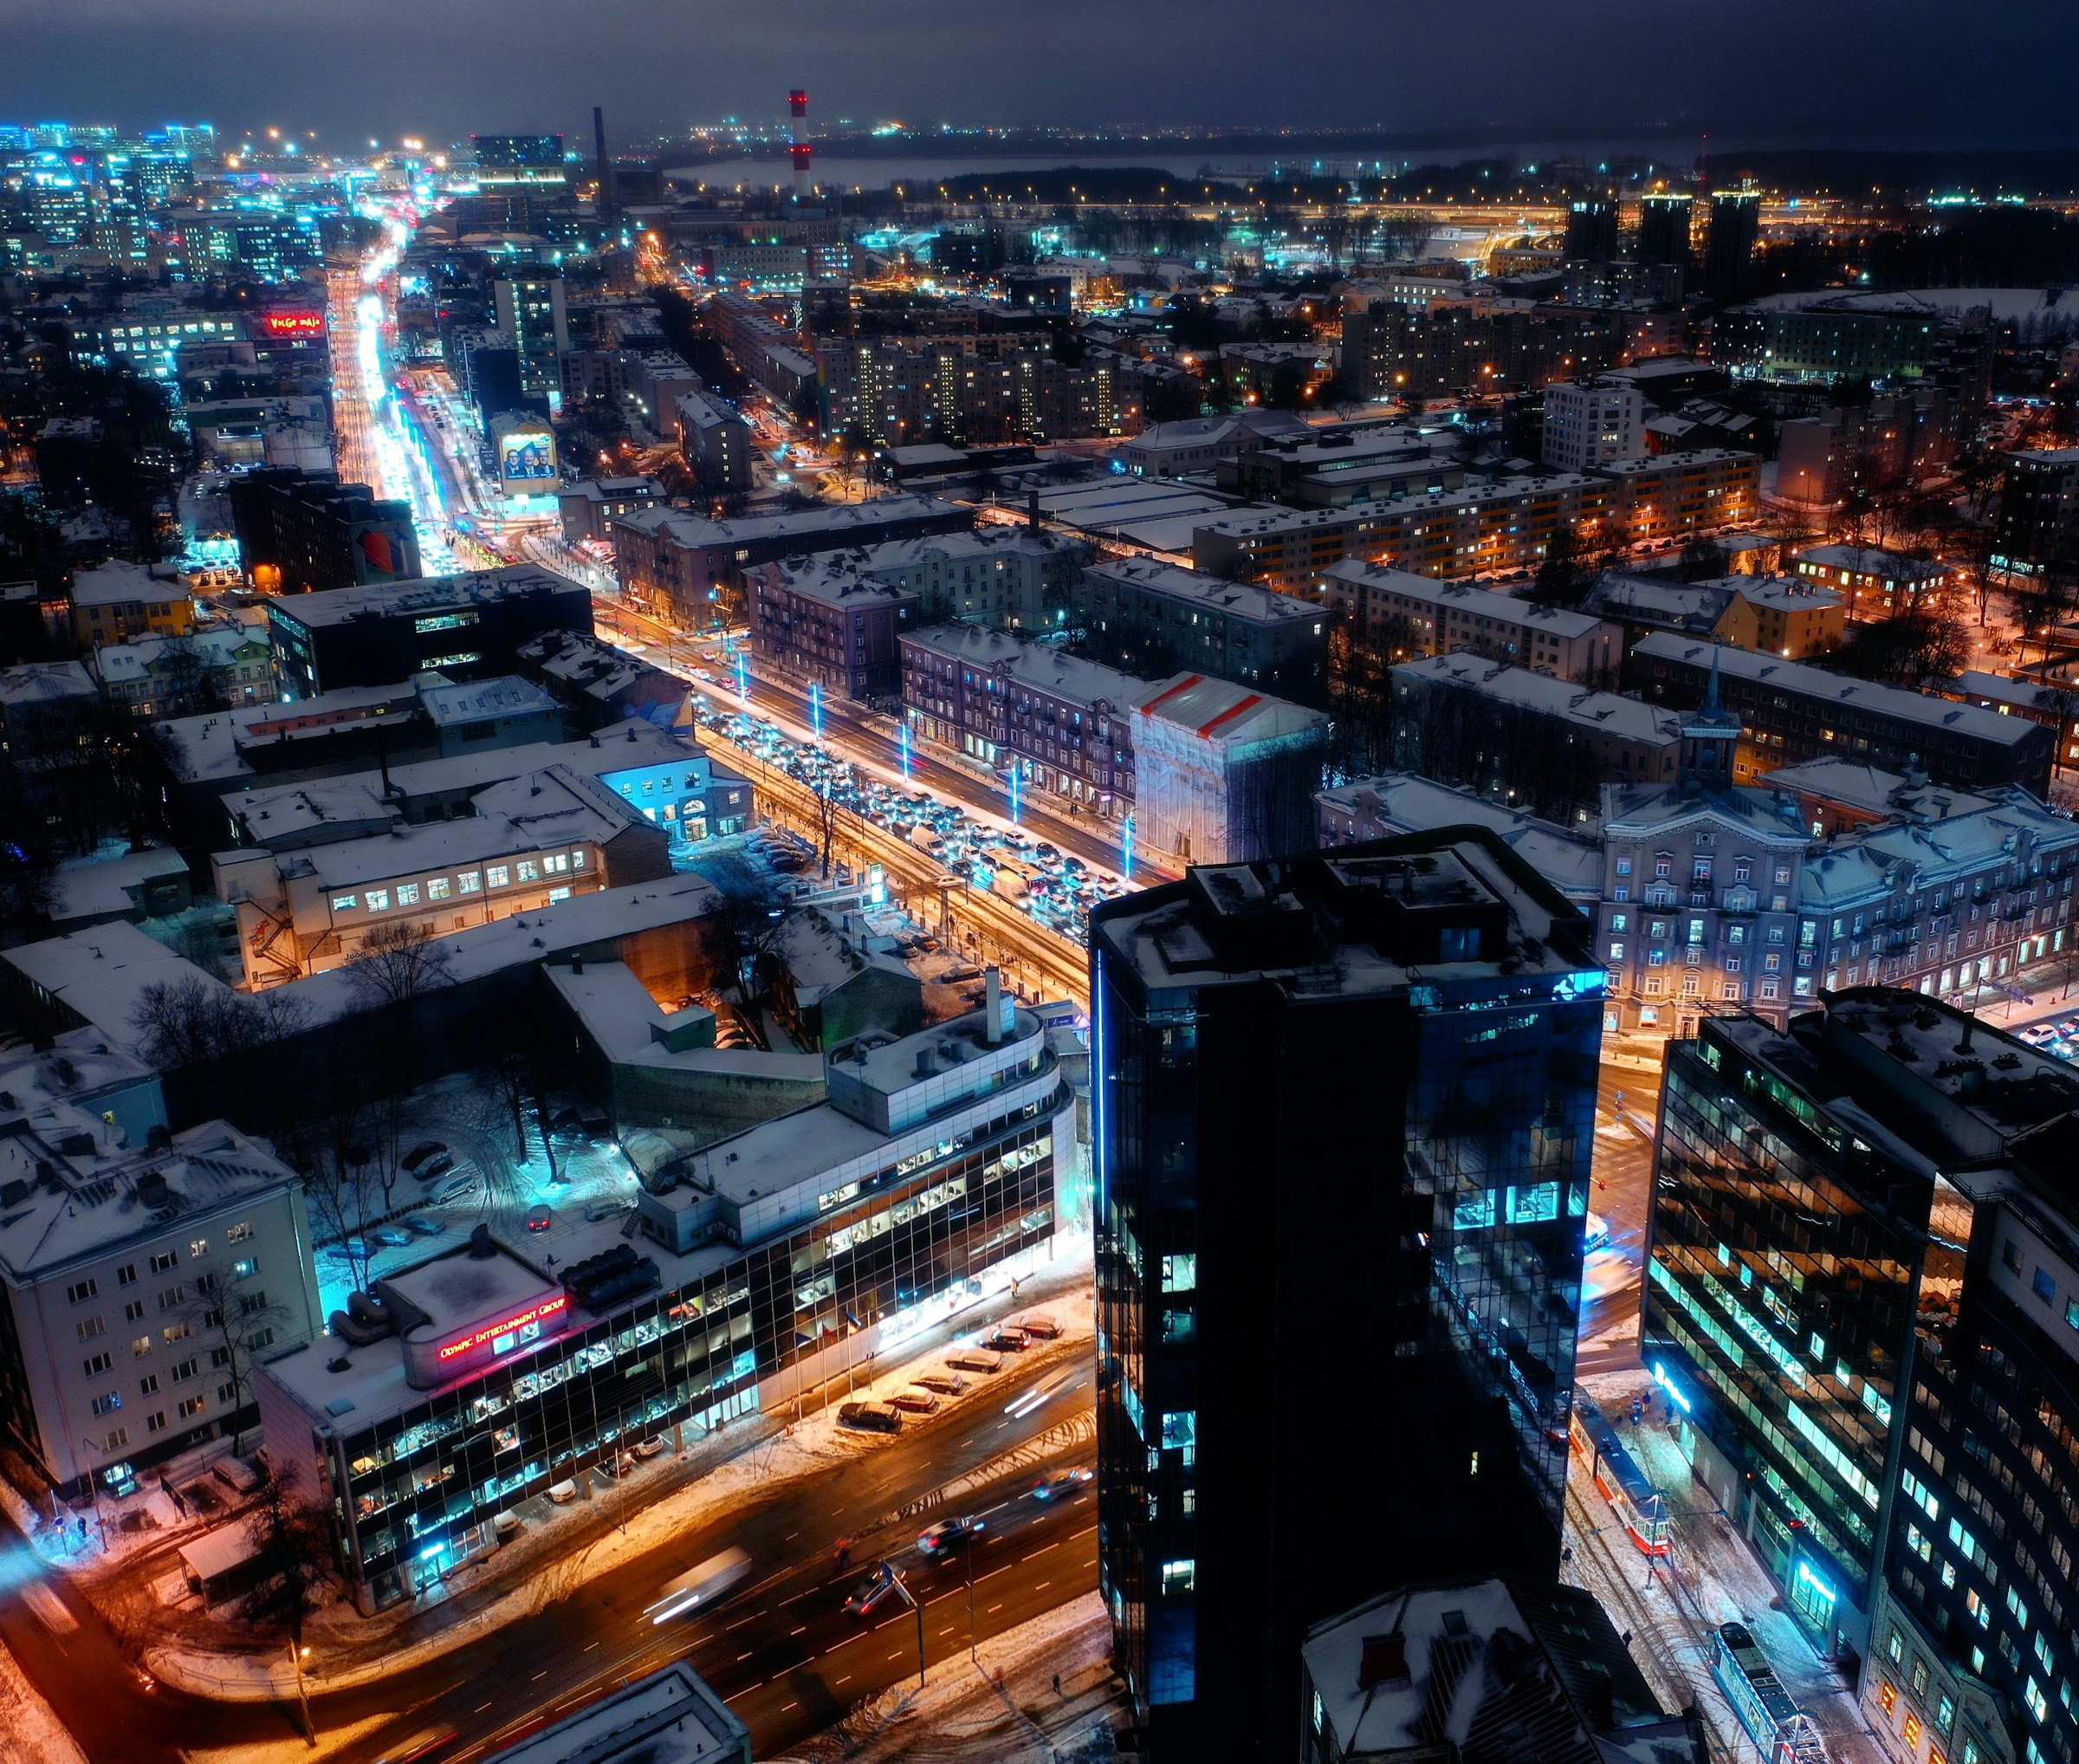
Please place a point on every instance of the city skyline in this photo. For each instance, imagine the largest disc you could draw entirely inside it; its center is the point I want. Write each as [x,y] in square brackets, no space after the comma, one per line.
[1857,74]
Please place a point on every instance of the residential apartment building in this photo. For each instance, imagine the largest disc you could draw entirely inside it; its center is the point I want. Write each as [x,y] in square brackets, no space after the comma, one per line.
[1791,711]
[1592,423]
[530,310]
[466,626]
[1875,584]
[1776,615]
[1065,724]
[818,619]
[530,842]
[114,602]
[1385,1054]
[1684,495]
[1151,618]
[979,388]
[2039,508]
[696,568]
[715,442]
[144,1273]
[760,1267]
[1419,615]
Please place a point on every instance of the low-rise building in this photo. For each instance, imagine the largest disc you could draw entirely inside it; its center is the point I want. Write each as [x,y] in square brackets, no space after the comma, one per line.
[669,1717]
[1488,1663]
[300,531]
[601,686]
[532,841]
[210,669]
[151,883]
[833,981]
[1194,444]
[1791,711]
[1026,579]
[1393,803]
[45,705]
[1152,617]
[1223,775]
[762,1265]
[113,602]
[1419,615]
[1065,724]
[587,506]
[145,1271]
[1875,584]
[466,626]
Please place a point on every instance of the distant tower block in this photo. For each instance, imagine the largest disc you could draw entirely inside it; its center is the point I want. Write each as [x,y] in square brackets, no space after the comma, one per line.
[797,148]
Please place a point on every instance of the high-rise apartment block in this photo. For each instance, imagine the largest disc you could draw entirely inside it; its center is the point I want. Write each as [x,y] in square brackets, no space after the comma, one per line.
[1343,1112]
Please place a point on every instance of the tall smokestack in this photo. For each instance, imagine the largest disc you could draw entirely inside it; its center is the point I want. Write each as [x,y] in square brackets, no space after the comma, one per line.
[797,148]
[599,141]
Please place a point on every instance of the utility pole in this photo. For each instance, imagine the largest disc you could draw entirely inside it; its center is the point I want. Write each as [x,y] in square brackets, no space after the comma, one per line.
[895,1580]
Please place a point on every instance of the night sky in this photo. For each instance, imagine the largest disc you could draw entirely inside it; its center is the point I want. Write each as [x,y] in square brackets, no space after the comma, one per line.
[1849,72]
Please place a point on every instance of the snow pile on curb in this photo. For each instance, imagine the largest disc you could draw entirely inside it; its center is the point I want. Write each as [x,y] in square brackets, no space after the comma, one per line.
[30,1732]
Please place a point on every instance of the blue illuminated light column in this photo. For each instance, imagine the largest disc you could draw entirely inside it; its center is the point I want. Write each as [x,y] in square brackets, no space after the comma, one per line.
[743,679]
[1013,792]
[1126,850]
[903,742]
[815,708]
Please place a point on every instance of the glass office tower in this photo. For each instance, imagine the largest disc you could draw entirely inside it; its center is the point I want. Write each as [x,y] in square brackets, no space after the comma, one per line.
[1343,1108]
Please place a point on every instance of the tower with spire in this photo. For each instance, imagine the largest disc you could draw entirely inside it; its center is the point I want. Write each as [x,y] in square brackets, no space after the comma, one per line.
[1710,738]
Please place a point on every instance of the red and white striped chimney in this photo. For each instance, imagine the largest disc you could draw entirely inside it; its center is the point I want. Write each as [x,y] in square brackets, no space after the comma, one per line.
[797,148]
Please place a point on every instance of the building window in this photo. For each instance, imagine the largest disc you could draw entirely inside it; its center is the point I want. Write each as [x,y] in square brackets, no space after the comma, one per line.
[1888,1694]
[1179,1576]
[379,899]
[82,1292]
[2044,1287]
[529,871]
[470,881]
[498,875]
[1912,1730]
[437,889]
[407,894]
[342,903]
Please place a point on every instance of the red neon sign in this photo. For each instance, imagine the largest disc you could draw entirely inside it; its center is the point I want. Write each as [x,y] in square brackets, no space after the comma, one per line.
[491,1331]
[293,324]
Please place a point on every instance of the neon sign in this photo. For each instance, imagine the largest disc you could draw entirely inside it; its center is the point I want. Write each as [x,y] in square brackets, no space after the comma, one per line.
[491,1331]
[293,324]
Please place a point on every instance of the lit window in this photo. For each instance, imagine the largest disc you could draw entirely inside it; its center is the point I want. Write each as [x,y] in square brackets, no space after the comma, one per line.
[342,903]
[1179,1576]
[437,889]
[498,875]
[407,894]
[529,871]
[577,860]
[379,899]
[470,881]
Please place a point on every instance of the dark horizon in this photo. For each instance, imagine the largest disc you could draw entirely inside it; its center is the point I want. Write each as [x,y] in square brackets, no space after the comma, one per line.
[1611,71]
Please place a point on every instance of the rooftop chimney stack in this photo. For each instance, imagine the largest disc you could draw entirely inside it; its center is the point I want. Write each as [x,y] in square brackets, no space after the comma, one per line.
[1032,508]
[599,141]
[797,148]
[993,1004]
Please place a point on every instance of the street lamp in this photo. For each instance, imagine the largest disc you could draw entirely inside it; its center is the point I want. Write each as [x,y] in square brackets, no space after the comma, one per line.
[894,1579]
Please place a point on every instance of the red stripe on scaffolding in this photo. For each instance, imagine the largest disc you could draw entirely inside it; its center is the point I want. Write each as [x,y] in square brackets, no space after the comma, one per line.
[1254,698]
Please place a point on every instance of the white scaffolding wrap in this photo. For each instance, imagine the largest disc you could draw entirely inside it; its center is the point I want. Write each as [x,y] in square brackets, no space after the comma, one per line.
[1224,775]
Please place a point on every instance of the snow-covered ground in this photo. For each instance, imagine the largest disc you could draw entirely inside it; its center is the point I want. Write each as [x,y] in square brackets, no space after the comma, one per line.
[1670,1608]
[30,1732]
[552,1568]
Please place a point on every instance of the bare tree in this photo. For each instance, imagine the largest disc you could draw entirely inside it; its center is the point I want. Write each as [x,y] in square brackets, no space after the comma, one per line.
[231,1313]
[295,1542]
[393,973]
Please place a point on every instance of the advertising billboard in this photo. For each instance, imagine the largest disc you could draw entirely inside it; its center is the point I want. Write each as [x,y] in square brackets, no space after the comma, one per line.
[293,324]
[527,459]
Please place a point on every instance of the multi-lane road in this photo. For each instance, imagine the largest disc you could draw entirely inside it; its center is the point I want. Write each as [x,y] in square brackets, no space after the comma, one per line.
[782,1650]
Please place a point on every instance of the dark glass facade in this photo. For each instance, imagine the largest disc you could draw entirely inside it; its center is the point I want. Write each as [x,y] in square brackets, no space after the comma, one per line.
[1778,1304]
[416,1491]
[1339,1207]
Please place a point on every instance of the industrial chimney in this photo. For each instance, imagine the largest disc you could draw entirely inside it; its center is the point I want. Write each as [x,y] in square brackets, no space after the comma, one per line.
[599,141]
[797,148]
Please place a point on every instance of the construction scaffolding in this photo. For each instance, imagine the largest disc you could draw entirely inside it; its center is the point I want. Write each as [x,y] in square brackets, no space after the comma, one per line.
[1224,775]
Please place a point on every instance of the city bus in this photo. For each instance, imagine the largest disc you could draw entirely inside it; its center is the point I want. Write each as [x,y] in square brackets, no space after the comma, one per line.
[700,1586]
[1640,1506]
[1784,1733]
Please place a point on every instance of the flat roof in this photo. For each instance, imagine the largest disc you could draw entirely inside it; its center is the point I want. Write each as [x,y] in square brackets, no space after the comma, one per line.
[1481,602]
[102,973]
[471,700]
[669,1717]
[108,584]
[1236,599]
[1867,560]
[818,521]
[428,594]
[1222,712]
[1863,695]
[1632,718]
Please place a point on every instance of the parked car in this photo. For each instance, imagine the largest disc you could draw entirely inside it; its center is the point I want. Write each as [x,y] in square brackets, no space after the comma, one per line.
[460,1190]
[649,1448]
[1040,1328]
[1005,1341]
[913,1402]
[425,1223]
[606,1207]
[438,1165]
[974,1359]
[538,1218]
[869,1417]
[945,1384]
[948,1535]
[391,1237]
[419,1154]
[563,1493]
